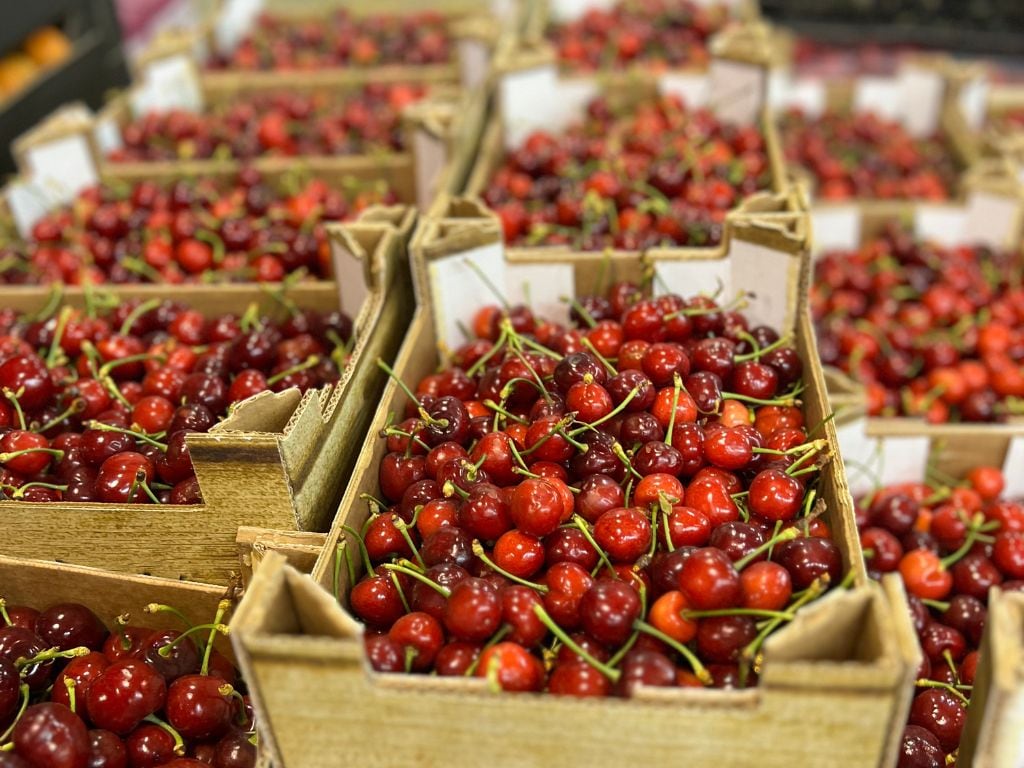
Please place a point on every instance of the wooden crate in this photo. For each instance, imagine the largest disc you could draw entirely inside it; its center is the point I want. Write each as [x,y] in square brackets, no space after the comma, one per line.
[993,736]
[109,595]
[888,449]
[835,686]
[279,462]
[300,548]
[744,53]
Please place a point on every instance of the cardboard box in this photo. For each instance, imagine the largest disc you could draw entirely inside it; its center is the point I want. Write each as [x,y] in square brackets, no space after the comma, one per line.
[835,686]
[885,450]
[280,461]
[993,736]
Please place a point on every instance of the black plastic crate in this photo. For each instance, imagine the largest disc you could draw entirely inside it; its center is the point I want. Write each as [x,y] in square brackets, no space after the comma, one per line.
[96,64]
[970,26]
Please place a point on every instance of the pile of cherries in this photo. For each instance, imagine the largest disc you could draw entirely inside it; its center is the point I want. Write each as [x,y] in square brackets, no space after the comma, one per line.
[930,331]
[341,40]
[280,123]
[589,509]
[658,175]
[96,406]
[658,33]
[951,543]
[864,155]
[73,694]
[187,231]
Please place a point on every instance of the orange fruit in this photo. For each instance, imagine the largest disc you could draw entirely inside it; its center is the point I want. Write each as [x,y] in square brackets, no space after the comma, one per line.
[47,46]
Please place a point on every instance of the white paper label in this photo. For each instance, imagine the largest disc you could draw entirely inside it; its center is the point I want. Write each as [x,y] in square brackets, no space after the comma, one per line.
[350,277]
[474,61]
[542,287]
[834,228]
[974,102]
[941,223]
[991,218]
[570,10]
[881,95]
[921,98]
[458,289]
[430,155]
[804,94]
[235,20]
[764,275]
[860,455]
[64,167]
[692,88]
[903,458]
[687,277]
[1013,469]
[107,135]
[29,201]
[737,91]
[535,99]
[168,83]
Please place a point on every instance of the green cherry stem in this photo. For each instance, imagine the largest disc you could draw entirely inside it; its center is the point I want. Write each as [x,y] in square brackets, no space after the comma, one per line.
[698,669]
[557,631]
[786,535]
[758,353]
[13,397]
[441,590]
[136,313]
[179,743]
[222,607]
[23,693]
[585,530]
[478,550]
[363,551]
[306,364]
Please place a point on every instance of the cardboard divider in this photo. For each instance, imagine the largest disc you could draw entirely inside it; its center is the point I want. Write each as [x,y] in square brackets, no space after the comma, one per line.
[303,655]
[993,736]
[280,461]
[300,548]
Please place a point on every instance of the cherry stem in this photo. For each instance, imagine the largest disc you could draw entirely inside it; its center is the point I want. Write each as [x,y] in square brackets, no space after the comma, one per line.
[677,385]
[8,455]
[398,588]
[937,605]
[179,743]
[69,683]
[537,347]
[948,656]
[13,397]
[142,357]
[165,650]
[787,535]
[949,560]
[601,358]
[440,589]
[557,631]
[808,447]
[496,638]
[136,313]
[140,482]
[306,364]
[698,669]
[611,414]
[212,239]
[758,352]
[217,626]
[405,388]
[55,352]
[3,612]
[952,689]
[585,530]
[782,401]
[250,318]
[19,491]
[478,550]
[403,529]
[485,358]
[23,693]
[49,655]
[503,411]
[620,454]
[580,310]
[77,406]
[450,489]
[161,608]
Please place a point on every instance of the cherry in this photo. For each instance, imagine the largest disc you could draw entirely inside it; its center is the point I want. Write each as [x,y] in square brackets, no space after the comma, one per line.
[182,655]
[420,635]
[708,580]
[149,746]
[512,666]
[455,658]
[10,693]
[70,625]
[577,678]
[50,735]
[774,495]
[810,558]
[536,507]
[375,599]
[566,583]
[473,611]
[106,750]
[644,668]
[608,610]
[720,639]
[123,694]
[82,670]
[19,643]
[624,534]
[940,713]
[384,653]
[920,749]
[235,750]
[199,706]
